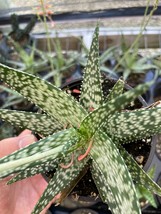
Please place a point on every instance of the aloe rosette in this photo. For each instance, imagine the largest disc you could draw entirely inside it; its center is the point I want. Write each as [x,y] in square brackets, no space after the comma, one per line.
[75,138]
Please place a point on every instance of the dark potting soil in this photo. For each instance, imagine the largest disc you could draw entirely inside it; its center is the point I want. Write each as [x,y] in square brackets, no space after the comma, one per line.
[136,79]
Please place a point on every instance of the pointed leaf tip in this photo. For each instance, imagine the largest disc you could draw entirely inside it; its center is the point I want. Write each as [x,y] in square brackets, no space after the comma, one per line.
[91,93]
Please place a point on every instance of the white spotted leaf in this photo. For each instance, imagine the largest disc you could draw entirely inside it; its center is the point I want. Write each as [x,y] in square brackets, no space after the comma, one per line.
[62,179]
[38,168]
[115,91]
[39,123]
[138,174]
[91,92]
[103,188]
[46,149]
[99,117]
[49,98]
[113,170]
[137,124]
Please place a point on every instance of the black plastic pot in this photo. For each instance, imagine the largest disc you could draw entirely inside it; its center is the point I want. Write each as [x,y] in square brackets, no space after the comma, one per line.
[154,160]
[86,204]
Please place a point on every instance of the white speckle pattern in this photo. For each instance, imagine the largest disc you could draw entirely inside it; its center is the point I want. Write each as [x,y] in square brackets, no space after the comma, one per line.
[62,179]
[116,91]
[138,174]
[39,123]
[91,92]
[52,100]
[107,159]
[39,167]
[137,124]
[99,117]
[103,188]
[46,145]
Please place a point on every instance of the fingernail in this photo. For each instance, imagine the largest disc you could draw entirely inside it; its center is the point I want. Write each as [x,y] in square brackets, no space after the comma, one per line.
[26,140]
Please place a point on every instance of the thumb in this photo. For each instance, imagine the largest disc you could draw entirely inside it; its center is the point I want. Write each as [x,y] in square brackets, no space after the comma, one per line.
[9,145]
[25,139]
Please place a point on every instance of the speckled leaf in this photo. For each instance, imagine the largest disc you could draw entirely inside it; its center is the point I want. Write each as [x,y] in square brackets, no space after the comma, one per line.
[46,149]
[107,158]
[27,163]
[116,90]
[43,145]
[39,123]
[37,169]
[49,98]
[61,179]
[138,174]
[100,116]
[140,124]
[91,93]
[103,188]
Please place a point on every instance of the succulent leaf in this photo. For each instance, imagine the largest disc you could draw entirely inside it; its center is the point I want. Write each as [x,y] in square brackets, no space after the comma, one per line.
[62,178]
[103,188]
[137,124]
[46,149]
[115,91]
[33,170]
[51,99]
[91,93]
[108,160]
[39,123]
[138,174]
[99,117]
[16,166]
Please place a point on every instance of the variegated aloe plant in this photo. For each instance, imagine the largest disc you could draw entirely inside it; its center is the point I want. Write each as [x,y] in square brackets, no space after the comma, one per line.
[90,138]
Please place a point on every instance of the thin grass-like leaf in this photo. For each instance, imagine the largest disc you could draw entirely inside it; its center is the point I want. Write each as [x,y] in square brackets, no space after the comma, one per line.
[145,194]
[11,101]
[48,97]
[39,123]
[108,54]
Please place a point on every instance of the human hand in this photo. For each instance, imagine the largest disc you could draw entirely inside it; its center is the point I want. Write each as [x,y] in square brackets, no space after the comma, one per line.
[21,196]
